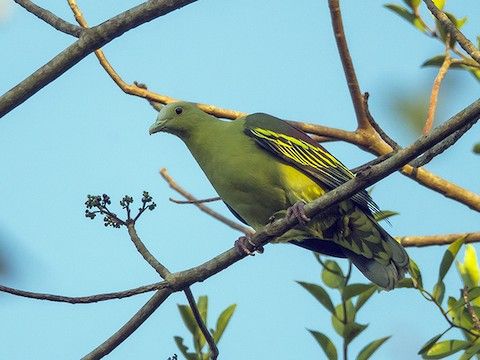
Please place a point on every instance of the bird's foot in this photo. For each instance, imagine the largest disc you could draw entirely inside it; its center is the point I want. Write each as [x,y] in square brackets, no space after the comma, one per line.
[297,211]
[243,243]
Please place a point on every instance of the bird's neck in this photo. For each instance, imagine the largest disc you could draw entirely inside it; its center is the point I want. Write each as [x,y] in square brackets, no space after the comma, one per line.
[205,142]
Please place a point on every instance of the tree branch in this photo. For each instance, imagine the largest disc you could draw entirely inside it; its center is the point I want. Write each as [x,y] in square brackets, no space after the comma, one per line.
[432,106]
[429,240]
[90,40]
[347,64]
[466,44]
[85,299]
[50,18]
[130,326]
[440,147]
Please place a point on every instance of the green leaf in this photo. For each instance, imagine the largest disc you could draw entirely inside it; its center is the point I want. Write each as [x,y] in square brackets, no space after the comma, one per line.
[429,344]
[320,294]
[368,350]
[470,272]
[449,256]
[384,214]
[439,291]
[340,322]
[187,317]
[439,3]
[445,348]
[406,283]
[332,275]
[476,148]
[415,274]
[471,351]
[407,15]
[223,321]
[326,344]
[363,297]
[352,330]
[355,289]
[438,60]
[412,4]
[184,349]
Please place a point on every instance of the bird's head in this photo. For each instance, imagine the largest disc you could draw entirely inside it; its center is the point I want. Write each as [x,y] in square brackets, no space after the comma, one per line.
[178,118]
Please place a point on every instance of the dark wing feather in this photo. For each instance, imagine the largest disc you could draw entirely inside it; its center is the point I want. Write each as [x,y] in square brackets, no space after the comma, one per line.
[298,149]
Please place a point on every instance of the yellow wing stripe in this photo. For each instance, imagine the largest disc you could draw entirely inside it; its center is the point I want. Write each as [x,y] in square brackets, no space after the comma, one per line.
[300,151]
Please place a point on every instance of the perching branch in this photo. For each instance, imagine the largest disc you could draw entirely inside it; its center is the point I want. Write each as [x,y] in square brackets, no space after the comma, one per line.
[84,299]
[466,44]
[50,18]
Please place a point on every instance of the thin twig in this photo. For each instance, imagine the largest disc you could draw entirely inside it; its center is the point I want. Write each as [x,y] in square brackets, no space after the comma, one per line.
[466,44]
[200,201]
[146,254]
[344,307]
[347,63]
[84,299]
[201,324]
[470,309]
[442,239]
[444,313]
[375,125]
[173,184]
[50,18]
[432,106]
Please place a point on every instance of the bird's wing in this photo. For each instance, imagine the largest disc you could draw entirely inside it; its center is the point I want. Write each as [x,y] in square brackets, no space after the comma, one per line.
[298,149]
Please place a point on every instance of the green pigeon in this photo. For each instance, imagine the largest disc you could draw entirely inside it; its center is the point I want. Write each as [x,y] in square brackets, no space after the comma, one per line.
[263,168]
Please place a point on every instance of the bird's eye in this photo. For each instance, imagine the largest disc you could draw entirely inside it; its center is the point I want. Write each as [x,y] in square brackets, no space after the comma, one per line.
[178,110]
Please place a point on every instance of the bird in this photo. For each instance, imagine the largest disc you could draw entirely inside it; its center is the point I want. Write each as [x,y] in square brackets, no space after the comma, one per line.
[264,169]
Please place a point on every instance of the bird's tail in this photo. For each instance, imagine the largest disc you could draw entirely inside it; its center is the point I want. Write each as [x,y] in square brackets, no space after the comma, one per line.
[388,273]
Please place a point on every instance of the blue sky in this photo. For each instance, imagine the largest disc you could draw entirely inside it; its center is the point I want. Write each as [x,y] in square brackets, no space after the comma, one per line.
[81,135]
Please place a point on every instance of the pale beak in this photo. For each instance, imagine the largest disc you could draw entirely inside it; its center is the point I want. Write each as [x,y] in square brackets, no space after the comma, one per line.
[157,126]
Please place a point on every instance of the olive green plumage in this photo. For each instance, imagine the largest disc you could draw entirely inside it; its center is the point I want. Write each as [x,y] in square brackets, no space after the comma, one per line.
[260,166]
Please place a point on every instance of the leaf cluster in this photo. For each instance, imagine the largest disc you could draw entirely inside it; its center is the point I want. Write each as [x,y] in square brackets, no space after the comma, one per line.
[343,315]
[461,312]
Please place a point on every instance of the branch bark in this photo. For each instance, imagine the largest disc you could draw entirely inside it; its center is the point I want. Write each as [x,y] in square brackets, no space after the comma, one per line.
[130,326]
[50,18]
[84,299]
[348,68]
[429,240]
